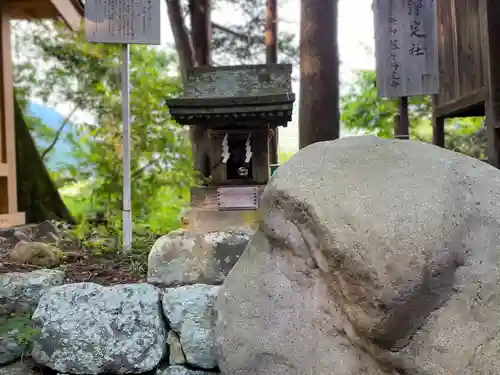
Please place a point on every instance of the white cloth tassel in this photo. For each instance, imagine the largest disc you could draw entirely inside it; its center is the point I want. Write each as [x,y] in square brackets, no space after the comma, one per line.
[248,148]
[225,150]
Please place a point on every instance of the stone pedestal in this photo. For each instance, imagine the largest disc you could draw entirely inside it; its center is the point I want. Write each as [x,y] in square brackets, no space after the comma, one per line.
[199,219]
[201,257]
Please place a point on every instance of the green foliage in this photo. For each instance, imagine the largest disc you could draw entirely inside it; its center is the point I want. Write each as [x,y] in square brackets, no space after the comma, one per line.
[363,111]
[467,135]
[20,327]
[284,156]
[87,75]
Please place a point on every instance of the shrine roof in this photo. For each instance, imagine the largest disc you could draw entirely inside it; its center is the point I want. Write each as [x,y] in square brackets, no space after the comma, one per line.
[249,95]
[270,110]
[238,81]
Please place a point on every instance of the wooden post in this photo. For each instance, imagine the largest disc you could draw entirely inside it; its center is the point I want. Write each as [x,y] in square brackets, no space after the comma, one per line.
[272,58]
[8,183]
[493,132]
[438,137]
[438,131]
[492,106]
[402,126]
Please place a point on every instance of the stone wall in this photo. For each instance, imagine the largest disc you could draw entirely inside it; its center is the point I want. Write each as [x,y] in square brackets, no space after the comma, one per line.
[162,327]
[85,328]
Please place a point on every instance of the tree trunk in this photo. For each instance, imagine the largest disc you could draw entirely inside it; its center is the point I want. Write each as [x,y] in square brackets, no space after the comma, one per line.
[200,41]
[201,31]
[319,72]
[36,193]
[181,37]
[272,58]
[201,35]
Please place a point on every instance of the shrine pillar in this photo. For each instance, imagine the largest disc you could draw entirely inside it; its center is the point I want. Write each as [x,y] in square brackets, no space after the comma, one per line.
[9,215]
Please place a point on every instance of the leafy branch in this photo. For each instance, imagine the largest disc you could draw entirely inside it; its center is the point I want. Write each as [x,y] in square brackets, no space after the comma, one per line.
[58,133]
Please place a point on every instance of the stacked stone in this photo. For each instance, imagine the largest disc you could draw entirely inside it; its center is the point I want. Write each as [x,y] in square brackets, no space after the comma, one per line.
[88,329]
[164,327]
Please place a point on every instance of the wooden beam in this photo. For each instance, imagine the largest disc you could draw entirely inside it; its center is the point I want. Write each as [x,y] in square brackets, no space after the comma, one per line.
[7,110]
[68,12]
[4,169]
[30,9]
[461,105]
[12,220]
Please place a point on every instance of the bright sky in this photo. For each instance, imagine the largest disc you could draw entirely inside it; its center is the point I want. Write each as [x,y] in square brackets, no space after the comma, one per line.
[355,35]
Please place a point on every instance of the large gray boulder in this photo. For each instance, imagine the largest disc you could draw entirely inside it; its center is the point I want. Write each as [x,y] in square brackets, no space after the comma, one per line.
[89,329]
[373,256]
[189,311]
[185,258]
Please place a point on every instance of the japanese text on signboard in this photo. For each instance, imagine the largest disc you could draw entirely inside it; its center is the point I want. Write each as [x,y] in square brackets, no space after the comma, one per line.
[123,21]
[406,47]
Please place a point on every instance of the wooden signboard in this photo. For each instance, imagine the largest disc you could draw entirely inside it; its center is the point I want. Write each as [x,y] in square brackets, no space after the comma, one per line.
[123,21]
[406,47]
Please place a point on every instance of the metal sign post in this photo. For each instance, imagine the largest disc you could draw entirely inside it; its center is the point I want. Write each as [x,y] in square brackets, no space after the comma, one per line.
[127,196]
[124,22]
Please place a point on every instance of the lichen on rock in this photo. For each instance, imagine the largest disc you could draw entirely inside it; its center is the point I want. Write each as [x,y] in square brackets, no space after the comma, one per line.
[89,329]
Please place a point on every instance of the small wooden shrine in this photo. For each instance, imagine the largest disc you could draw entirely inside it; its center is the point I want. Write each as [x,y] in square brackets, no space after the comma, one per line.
[235,108]
[469,64]
[71,12]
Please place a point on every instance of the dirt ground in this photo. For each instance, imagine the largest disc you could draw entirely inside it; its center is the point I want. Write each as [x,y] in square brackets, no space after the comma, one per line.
[89,257]
[80,266]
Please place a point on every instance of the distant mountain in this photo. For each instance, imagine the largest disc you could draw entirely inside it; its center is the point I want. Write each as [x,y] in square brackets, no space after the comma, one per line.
[53,119]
